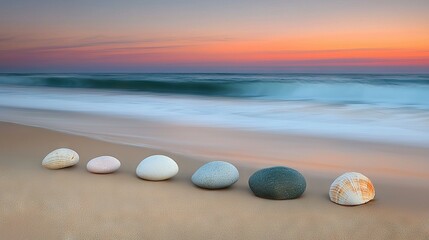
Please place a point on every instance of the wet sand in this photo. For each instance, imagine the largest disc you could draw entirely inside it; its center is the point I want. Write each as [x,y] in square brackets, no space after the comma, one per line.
[37,203]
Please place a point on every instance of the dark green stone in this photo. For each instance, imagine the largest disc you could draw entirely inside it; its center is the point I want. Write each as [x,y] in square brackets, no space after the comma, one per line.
[277,183]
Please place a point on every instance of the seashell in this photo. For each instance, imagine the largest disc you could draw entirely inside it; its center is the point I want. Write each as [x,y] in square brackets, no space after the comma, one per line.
[351,189]
[60,158]
[103,164]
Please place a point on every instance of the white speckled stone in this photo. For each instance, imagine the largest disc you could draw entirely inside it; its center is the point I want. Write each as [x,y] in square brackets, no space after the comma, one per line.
[103,164]
[157,168]
[60,158]
[215,175]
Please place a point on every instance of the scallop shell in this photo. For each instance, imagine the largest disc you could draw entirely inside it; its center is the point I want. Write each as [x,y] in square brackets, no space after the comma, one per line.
[351,189]
[60,158]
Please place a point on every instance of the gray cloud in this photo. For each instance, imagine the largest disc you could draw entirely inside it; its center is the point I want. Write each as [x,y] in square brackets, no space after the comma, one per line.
[100,41]
[6,38]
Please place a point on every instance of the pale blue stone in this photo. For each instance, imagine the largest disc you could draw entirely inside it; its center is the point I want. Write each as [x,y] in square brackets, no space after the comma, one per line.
[215,175]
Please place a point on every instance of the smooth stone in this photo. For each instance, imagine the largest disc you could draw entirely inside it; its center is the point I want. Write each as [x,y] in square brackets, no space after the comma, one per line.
[157,168]
[277,183]
[103,164]
[215,175]
[60,158]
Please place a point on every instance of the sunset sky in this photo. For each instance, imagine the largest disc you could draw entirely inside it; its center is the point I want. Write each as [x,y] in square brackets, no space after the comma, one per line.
[363,36]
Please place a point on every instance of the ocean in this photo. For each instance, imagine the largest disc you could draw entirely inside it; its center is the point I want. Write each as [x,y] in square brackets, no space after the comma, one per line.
[383,108]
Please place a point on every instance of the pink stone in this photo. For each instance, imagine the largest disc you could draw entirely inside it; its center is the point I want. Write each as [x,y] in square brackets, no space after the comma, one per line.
[103,164]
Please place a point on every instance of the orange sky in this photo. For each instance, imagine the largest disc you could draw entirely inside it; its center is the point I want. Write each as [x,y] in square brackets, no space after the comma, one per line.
[227,36]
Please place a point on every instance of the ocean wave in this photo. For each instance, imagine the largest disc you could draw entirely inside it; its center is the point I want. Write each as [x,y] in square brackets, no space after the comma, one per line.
[389,90]
[405,125]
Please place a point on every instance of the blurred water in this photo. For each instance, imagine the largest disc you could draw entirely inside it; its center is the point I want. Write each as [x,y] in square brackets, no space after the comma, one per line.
[387,108]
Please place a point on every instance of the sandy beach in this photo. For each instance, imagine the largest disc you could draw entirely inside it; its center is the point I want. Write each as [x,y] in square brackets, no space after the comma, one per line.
[207,120]
[37,203]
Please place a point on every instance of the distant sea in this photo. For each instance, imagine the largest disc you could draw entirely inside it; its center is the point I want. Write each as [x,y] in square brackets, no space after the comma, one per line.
[387,108]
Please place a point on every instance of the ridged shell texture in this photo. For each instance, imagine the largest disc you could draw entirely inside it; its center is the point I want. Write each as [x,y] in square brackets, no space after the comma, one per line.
[60,158]
[351,188]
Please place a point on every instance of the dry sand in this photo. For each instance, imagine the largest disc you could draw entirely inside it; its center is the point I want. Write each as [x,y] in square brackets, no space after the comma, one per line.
[37,203]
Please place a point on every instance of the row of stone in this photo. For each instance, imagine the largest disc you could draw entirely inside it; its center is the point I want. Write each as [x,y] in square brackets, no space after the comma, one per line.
[271,183]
